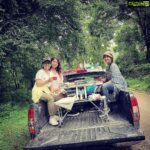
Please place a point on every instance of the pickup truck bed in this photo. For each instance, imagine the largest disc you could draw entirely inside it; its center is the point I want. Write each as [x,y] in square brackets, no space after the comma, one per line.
[123,124]
[87,128]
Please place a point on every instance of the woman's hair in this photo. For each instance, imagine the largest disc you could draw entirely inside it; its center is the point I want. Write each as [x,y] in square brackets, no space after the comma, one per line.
[58,69]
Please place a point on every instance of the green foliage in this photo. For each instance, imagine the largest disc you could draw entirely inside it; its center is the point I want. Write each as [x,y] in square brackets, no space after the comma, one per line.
[13,127]
[135,71]
[139,16]
[34,28]
[128,58]
[130,45]
[142,83]
[74,31]
[128,35]
[128,38]
[21,96]
[103,23]
[5,109]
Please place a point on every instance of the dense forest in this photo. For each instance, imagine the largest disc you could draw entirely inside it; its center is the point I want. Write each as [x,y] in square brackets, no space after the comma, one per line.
[72,30]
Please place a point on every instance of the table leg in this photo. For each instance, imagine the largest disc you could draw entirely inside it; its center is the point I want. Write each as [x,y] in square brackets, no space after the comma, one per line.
[85,92]
[77,92]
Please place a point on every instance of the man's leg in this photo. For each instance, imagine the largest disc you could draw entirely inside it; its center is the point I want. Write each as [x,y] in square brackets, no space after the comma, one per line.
[106,89]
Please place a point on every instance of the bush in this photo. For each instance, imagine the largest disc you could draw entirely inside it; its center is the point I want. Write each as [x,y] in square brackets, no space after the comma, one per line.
[13,127]
[141,83]
[135,71]
[5,109]
[133,64]
[21,96]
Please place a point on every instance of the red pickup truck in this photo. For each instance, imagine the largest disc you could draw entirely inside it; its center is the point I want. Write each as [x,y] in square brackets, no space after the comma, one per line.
[123,125]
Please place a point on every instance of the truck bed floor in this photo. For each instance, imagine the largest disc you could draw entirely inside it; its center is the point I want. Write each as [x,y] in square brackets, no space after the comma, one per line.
[86,128]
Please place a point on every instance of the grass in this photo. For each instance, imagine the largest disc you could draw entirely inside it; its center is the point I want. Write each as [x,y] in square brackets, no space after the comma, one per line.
[142,83]
[13,127]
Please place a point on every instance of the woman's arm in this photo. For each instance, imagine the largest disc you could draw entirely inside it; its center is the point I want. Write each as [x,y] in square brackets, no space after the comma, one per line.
[40,82]
[56,88]
[61,77]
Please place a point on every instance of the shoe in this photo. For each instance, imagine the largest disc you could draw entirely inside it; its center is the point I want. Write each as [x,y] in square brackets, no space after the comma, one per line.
[57,117]
[94,97]
[53,121]
[73,114]
[106,110]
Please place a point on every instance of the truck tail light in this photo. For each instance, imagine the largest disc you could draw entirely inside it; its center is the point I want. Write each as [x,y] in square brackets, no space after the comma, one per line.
[31,121]
[135,111]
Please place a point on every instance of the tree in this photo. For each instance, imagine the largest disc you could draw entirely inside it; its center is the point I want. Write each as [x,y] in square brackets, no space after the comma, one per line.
[29,30]
[109,13]
[141,16]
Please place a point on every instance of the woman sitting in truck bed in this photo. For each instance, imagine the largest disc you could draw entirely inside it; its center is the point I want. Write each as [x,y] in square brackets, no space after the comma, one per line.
[114,79]
[47,86]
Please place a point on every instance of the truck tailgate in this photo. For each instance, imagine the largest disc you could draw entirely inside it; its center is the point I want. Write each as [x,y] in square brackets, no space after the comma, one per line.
[86,129]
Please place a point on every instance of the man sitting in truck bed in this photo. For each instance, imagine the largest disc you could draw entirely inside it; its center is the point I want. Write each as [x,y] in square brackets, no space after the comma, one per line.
[115,82]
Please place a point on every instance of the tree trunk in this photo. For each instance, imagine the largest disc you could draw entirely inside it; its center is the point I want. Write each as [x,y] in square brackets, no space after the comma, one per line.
[148,54]
[148,37]
[143,21]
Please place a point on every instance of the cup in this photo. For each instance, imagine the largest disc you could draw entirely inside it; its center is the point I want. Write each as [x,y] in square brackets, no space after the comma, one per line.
[54,78]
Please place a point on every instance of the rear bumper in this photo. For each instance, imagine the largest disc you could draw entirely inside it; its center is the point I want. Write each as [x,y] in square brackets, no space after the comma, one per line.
[126,144]
[121,142]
